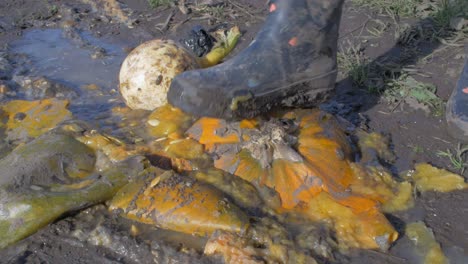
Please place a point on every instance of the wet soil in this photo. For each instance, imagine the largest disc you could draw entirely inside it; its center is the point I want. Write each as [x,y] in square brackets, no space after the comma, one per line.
[78,46]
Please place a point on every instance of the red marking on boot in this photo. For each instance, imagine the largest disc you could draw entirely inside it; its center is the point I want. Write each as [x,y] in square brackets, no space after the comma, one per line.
[465,90]
[293,41]
[272,8]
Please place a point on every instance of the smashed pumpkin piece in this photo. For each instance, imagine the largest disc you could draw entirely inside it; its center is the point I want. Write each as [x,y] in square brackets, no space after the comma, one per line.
[212,130]
[29,119]
[168,121]
[376,183]
[426,245]
[110,146]
[430,178]
[260,154]
[109,150]
[167,144]
[367,229]
[50,176]
[298,156]
[242,192]
[183,154]
[171,201]
[233,249]
[304,156]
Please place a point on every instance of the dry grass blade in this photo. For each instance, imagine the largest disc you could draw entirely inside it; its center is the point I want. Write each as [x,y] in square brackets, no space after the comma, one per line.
[164,26]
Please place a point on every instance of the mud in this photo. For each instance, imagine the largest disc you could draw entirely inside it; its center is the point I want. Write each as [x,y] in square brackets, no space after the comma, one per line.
[96,236]
[75,49]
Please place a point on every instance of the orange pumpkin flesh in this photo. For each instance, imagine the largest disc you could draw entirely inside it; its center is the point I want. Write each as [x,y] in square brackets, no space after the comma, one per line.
[305,158]
[310,162]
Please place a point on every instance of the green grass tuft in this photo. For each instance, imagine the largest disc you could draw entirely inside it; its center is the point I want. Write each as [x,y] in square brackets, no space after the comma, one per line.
[446,10]
[458,158]
[407,89]
[353,62]
[158,3]
[394,8]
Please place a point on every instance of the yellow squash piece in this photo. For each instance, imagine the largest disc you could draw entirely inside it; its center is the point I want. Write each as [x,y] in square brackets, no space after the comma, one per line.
[366,229]
[425,243]
[242,192]
[430,178]
[168,121]
[183,154]
[179,203]
[34,118]
[52,175]
[225,43]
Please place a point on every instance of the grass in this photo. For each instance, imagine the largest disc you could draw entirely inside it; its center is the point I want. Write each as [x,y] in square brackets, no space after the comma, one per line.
[441,11]
[158,3]
[405,88]
[378,29]
[53,10]
[390,78]
[374,76]
[457,158]
[393,8]
[437,14]
[352,61]
[446,10]
[215,13]
[416,149]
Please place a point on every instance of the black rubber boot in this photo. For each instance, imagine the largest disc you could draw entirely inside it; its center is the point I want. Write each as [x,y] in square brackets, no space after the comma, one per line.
[457,108]
[291,62]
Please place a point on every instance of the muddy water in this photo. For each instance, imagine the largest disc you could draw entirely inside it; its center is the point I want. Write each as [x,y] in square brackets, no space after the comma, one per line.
[55,56]
[88,65]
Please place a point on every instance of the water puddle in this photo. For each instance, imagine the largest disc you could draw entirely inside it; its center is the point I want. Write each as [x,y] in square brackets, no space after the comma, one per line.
[78,60]
[59,58]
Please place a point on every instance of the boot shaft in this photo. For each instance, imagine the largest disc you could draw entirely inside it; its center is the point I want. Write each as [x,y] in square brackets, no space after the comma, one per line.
[320,12]
[300,32]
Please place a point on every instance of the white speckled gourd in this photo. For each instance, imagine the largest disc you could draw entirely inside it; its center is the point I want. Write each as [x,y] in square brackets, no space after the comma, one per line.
[147,72]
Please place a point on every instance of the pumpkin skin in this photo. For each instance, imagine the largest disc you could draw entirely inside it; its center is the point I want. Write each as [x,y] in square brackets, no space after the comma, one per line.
[25,120]
[175,202]
[60,171]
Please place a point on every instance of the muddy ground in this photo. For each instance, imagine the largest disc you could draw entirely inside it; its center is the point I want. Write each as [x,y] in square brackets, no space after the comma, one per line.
[109,31]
